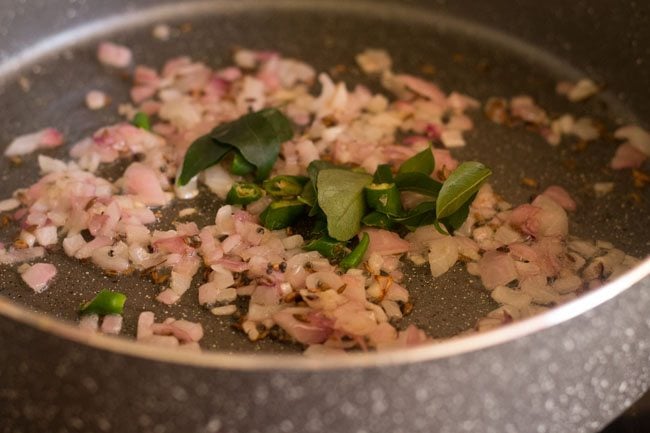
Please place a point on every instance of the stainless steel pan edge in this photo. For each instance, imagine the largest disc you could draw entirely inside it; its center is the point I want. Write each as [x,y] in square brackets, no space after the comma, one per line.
[572,369]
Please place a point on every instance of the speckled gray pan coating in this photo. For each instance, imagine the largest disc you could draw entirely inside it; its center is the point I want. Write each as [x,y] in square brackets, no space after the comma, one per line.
[571,377]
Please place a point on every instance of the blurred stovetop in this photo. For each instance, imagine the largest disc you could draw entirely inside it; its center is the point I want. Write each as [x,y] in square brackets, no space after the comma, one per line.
[635,420]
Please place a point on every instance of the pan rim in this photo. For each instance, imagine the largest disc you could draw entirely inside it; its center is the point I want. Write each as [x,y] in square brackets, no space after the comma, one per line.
[255,362]
[298,362]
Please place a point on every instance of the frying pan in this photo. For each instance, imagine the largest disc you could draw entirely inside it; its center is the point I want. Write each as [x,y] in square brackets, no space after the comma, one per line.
[571,369]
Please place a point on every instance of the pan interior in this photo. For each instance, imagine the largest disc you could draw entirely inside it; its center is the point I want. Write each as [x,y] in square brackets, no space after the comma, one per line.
[456,55]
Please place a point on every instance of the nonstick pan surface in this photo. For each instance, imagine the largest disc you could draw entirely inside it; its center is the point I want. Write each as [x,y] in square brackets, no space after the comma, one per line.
[572,369]
[453,53]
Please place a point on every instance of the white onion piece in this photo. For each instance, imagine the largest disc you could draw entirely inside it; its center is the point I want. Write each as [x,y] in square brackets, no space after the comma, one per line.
[637,137]
[582,90]
[516,298]
[72,244]
[96,99]
[323,281]
[9,204]
[224,222]
[89,322]
[374,61]
[112,258]
[27,237]
[187,191]
[567,284]
[46,235]
[221,277]
[442,256]
[218,180]
[225,310]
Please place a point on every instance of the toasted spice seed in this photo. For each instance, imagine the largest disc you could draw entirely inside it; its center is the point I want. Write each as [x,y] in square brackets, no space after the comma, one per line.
[20,244]
[245,279]
[580,146]
[329,121]
[496,109]
[569,164]
[338,69]
[5,220]
[159,278]
[428,69]
[90,203]
[641,179]
[282,266]
[407,308]
[634,198]
[529,182]
[290,297]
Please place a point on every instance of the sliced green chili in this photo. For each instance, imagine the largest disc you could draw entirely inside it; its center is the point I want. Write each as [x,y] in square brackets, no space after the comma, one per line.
[244,193]
[106,302]
[285,186]
[328,247]
[353,259]
[384,198]
[240,166]
[379,220]
[141,120]
[281,214]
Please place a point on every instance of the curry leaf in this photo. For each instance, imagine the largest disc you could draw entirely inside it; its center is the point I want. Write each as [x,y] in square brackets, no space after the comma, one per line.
[257,136]
[341,197]
[418,182]
[421,215]
[460,186]
[422,162]
[454,221]
[315,167]
[202,153]
[308,195]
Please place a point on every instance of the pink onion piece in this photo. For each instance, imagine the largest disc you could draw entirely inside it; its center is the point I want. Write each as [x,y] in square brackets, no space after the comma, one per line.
[114,55]
[143,182]
[38,276]
[304,332]
[496,269]
[25,144]
[384,242]
[112,324]
[627,156]
[561,197]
